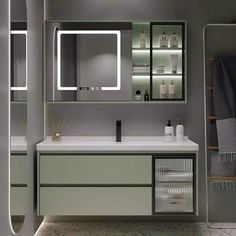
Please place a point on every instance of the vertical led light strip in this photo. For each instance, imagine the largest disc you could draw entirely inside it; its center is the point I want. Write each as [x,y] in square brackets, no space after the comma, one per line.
[21,32]
[89,32]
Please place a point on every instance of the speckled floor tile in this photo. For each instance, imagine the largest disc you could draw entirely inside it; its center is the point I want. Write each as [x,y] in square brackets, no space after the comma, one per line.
[132,229]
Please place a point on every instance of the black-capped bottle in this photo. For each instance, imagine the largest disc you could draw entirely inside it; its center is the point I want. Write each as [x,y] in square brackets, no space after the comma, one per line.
[146,96]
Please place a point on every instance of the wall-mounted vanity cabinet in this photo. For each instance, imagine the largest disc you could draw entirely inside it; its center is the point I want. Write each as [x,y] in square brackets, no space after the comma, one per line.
[18,183]
[115,61]
[116,179]
[117,184]
[18,62]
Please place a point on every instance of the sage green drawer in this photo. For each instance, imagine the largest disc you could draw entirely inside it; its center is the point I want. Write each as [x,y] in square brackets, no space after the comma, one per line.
[19,169]
[18,201]
[95,201]
[95,169]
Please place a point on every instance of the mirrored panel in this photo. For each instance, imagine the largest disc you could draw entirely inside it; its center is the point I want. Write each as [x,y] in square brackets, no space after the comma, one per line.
[18,125]
[18,62]
[88,61]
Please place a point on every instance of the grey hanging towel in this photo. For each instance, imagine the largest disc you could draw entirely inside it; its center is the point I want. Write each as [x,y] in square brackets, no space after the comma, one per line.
[224,97]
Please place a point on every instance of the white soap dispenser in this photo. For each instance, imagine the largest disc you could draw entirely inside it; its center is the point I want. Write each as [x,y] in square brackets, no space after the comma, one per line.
[163,90]
[179,131]
[169,132]
[143,39]
[172,90]
[163,39]
[174,40]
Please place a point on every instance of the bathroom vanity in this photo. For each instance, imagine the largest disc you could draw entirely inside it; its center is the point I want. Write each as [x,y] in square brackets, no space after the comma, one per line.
[95,176]
[19,176]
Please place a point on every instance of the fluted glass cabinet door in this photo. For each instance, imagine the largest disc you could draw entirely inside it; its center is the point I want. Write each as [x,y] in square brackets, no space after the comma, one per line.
[174,185]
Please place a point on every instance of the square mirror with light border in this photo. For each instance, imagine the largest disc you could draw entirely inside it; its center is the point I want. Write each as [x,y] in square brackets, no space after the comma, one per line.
[88,61]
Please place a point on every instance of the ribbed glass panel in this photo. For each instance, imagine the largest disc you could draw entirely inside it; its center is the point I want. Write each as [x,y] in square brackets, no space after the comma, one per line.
[174,185]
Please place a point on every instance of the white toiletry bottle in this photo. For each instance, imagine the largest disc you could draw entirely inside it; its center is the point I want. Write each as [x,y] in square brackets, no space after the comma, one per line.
[172,90]
[163,39]
[174,40]
[174,63]
[143,39]
[138,96]
[169,132]
[163,90]
[179,131]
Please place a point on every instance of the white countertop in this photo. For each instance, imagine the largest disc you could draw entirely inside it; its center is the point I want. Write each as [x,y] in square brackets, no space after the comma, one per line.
[18,144]
[108,143]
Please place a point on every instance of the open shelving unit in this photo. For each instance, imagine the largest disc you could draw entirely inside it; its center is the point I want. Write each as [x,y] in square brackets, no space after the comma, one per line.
[153,55]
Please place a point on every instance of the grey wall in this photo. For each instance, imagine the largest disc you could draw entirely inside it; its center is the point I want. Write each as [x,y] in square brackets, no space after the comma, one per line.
[18,115]
[18,10]
[147,119]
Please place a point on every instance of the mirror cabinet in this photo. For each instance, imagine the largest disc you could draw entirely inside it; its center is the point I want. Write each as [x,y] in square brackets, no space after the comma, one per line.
[133,62]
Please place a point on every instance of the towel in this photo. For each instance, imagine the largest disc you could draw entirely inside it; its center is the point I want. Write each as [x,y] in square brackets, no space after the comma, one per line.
[223,163]
[224,97]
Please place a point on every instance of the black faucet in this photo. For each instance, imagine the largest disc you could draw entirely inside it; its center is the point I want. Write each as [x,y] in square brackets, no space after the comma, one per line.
[118,131]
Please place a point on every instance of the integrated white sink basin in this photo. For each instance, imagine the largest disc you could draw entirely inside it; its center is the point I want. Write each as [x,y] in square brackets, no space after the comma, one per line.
[108,143]
[18,143]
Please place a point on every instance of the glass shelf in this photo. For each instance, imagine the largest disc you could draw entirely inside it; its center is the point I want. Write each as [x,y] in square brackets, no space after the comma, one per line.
[167,53]
[160,50]
[167,75]
[141,74]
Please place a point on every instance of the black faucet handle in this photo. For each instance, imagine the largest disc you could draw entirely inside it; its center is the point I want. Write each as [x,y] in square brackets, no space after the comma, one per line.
[118,131]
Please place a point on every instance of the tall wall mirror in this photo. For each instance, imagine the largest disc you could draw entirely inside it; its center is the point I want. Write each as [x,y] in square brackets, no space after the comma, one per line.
[18,109]
[115,61]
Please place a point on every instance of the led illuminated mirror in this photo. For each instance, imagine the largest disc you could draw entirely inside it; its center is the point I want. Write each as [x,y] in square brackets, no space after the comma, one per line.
[103,56]
[88,61]
[115,61]
[18,63]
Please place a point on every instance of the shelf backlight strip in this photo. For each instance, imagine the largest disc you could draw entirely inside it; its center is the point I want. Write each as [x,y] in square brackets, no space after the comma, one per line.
[164,51]
[89,32]
[157,77]
[22,32]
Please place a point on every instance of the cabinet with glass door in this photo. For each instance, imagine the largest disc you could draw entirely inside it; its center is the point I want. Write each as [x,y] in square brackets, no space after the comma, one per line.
[159,61]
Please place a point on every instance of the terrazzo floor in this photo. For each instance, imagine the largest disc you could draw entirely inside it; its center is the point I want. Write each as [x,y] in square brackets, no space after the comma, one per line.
[133,229]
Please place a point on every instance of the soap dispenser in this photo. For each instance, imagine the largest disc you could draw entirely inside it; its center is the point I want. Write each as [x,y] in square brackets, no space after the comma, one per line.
[143,39]
[146,96]
[172,90]
[163,39]
[163,90]
[174,40]
[169,132]
[179,131]
[138,96]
